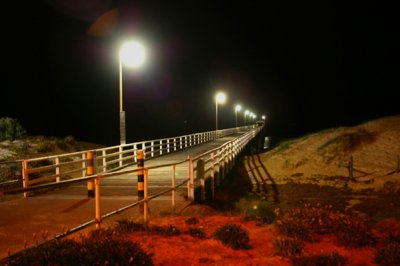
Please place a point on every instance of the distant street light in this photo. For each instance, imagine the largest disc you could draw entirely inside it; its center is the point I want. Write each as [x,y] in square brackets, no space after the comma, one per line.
[131,54]
[237,109]
[246,113]
[220,97]
[263,117]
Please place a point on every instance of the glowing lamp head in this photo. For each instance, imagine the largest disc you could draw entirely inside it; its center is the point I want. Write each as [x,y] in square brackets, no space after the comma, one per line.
[238,108]
[263,117]
[132,54]
[220,97]
[247,112]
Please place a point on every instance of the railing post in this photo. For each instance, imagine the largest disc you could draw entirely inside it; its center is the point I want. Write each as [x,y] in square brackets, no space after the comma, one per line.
[212,176]
[121,156]
[83,164]
[168,146]
[146,197]
[144,149]
[191,180]
[134,152]
[90,171]
[103,153]
[200,176]
[57,162]
[161,148]
[152,149]
[97,200]
[222,162]
[174,144]
[173,186]
[25,176]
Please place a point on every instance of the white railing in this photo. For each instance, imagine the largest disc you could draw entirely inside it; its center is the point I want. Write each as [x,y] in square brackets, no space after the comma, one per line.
[72,165]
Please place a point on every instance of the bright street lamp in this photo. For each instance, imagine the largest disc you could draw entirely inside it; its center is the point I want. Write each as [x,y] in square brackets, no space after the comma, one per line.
[263,117]
[132,54]
[237,109]
[220,97]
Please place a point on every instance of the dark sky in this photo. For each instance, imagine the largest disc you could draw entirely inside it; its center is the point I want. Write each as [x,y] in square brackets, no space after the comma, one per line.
[306,66]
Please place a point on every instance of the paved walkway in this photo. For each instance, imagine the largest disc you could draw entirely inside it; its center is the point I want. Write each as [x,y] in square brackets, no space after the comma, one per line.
[30,220]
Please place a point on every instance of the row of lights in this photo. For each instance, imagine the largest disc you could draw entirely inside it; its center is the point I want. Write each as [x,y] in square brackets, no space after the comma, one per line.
[133,54]
[220,98]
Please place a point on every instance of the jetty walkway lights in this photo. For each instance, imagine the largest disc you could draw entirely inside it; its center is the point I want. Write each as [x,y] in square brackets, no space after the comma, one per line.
[246,113]
[220,97]
[131,54]
[238,107]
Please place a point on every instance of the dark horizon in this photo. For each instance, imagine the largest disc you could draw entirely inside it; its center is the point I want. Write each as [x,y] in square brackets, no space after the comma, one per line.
[307,67]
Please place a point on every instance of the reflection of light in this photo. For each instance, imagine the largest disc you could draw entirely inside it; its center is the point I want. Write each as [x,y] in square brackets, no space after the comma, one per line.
[132,54]
[255,207]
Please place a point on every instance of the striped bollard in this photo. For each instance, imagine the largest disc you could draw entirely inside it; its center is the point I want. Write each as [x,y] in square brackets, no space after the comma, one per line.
[140,174]
[90,171]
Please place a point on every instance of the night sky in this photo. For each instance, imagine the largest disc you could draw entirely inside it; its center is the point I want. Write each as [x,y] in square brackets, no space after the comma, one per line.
[306,66]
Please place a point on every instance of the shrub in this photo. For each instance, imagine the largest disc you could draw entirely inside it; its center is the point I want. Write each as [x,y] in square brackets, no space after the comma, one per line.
[127,226]
[288,246]
[11,129]
[389,254]
[169,230]
[100,247]
[70,140]
[325,259]
[304,223]
[233,235]
[256,210]
[44,147]
[192,220]
[197,233]
[352,232]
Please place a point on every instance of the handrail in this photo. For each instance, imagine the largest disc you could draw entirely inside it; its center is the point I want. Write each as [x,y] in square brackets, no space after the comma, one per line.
[111,158]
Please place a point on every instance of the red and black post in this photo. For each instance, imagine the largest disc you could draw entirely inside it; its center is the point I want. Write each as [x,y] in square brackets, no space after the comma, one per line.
[140,174]
[90,171]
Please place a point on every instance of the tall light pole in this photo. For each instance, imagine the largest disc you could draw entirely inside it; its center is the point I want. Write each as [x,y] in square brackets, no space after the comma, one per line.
[238,107]
[220,97]
[246,113]
[131,54]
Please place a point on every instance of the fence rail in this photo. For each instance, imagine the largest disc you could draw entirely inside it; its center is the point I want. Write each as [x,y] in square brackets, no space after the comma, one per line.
[72,165]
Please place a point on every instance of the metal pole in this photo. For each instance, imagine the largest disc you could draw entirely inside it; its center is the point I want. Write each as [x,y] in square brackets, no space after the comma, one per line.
[146,197]
[236,118]
[216,115]
[122,136]
[97,200]
[173,186]
[25,176]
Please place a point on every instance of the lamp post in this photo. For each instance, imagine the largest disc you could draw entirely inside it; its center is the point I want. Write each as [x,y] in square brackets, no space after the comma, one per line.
[131,54]
[247,112]
[237,109]
[220,97]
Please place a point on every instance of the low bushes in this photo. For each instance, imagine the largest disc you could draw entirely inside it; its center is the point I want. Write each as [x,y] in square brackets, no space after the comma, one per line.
[233,235]
[100,247]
